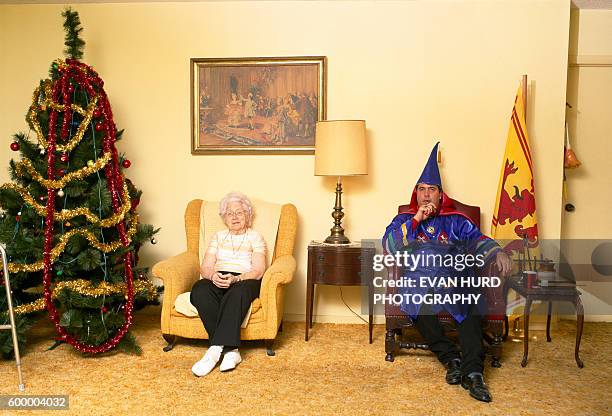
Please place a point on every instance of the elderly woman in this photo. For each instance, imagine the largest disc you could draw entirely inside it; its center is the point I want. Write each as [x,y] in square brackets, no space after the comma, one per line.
[230,278]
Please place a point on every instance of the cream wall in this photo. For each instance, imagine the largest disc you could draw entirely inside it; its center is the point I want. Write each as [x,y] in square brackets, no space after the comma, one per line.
[589,91]
[415,71]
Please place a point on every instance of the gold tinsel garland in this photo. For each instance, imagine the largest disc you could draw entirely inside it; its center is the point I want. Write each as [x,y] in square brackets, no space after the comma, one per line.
[67,214]
[47,101]
[60,183]
[84,287]
[58,249]
[43,97]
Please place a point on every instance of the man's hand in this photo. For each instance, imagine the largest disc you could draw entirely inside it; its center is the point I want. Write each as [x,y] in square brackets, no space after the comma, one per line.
[503,263]
[220,281]
[425,211]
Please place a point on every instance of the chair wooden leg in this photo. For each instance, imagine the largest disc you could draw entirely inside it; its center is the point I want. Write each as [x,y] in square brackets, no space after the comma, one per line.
[269,349]
[171,340]
[390,345]
[506,327]
[496,345]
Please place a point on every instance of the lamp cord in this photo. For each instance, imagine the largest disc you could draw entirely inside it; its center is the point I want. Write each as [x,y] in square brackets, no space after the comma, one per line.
[349,308]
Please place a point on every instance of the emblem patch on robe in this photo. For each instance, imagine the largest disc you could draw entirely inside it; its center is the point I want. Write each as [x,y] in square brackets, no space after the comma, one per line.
[431,229]
[443,237]
[422,237]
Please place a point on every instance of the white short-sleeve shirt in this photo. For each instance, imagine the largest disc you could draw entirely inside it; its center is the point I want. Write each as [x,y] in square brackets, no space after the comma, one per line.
[234,252]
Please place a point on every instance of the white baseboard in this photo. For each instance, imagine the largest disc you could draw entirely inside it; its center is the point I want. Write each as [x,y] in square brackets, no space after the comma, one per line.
[333,319]
[380,319]
[589,318]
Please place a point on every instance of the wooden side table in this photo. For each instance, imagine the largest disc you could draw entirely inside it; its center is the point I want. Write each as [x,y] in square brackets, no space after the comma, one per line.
[341,265]
[548,294]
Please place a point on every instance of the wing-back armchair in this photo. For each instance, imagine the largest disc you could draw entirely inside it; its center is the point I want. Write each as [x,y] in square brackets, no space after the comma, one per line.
[493,322]
[180,272]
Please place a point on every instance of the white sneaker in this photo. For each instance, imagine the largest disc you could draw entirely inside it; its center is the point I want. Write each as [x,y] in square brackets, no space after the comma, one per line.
[208,361]
[230,360]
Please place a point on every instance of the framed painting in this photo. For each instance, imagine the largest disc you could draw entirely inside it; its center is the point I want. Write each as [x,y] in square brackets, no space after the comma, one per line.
[256,105]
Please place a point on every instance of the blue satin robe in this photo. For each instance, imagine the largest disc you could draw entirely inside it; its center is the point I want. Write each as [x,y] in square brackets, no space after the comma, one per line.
[443,234]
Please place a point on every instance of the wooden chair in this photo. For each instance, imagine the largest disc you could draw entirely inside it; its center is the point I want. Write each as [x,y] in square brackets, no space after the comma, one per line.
[398,324]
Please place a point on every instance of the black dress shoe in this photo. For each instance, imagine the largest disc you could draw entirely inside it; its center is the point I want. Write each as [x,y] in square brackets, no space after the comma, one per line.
[477,387]
[453,371]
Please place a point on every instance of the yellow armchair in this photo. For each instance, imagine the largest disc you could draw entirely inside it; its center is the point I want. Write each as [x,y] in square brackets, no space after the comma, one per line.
[180,272]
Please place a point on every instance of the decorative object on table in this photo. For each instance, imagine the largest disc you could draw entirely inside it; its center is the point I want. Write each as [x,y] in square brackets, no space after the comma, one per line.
[340,151]
[256,105]
[72,225]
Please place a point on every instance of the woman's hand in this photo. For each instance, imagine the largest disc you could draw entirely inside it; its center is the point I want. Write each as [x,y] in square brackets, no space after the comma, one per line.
[220,281]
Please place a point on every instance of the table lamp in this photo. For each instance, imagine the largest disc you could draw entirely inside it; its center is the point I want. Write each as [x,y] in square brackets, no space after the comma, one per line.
[340,150]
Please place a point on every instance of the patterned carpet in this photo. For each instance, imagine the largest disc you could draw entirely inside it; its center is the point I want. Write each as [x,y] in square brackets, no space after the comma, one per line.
[335,372]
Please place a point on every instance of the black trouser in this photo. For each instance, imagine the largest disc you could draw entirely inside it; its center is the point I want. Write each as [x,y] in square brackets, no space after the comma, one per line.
[470,339]
[222,310]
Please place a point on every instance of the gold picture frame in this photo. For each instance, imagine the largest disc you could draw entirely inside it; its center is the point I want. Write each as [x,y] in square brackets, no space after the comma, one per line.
[257,105]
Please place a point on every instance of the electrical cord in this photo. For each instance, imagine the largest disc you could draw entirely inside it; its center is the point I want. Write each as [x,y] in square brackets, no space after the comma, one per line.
[349,308]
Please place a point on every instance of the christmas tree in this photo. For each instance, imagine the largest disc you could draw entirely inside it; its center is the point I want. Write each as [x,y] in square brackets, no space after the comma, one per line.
[68,219]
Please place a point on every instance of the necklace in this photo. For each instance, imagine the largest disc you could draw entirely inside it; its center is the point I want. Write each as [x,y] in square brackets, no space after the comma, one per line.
[236,250]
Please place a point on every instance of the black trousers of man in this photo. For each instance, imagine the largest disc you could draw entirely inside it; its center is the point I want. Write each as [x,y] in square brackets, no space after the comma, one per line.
[222,310]
[470,339]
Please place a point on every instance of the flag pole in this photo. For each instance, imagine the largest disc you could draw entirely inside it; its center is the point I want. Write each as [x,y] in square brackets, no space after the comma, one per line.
[524,87]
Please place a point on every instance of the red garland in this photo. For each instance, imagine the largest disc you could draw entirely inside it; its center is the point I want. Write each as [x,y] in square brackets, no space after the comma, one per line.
[86,78]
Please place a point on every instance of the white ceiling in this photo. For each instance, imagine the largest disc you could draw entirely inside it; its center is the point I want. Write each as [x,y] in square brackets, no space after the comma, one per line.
[592,4]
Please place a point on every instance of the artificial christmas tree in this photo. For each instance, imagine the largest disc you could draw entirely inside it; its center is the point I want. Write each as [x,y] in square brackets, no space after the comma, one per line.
[69,219]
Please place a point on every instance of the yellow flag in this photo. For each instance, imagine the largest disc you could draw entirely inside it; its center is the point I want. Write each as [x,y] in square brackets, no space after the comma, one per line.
[514,222]
[514,217]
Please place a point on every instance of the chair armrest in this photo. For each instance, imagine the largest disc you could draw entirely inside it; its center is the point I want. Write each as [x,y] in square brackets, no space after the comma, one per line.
[496,301]
[280,272]
[179,273]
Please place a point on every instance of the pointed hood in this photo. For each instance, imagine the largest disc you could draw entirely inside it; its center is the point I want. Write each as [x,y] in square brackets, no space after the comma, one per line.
[431,176]
[431,173]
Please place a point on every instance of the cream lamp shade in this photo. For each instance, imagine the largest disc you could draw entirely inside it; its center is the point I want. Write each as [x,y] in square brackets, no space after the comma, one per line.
[340,148]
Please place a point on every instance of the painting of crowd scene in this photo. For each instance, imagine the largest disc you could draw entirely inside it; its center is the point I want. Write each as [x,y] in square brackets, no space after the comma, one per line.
[249,105]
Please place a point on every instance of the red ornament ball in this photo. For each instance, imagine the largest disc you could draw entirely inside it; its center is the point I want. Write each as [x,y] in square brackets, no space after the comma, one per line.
[99,126]
[61,172]
[71,88]
[15,146]
[126,163]
[64,157]
[103,309]
[17,218]
[97,113]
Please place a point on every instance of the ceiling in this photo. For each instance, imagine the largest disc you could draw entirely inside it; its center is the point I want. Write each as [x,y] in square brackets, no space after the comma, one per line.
[592,4]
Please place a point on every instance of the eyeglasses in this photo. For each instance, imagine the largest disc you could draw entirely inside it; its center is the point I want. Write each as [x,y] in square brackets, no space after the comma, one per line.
[237,214]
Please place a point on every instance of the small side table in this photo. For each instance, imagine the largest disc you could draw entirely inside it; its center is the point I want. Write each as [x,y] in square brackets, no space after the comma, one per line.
[340,265]
[548,294]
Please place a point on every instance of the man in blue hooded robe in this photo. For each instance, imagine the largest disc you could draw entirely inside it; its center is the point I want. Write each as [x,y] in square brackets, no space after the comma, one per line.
[433,229]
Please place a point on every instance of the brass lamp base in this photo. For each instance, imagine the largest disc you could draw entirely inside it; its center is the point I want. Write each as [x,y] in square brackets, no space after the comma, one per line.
[338,238]
[337,232]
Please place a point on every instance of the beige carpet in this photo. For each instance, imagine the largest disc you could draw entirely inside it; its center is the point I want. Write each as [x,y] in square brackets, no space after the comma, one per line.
[336,372]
